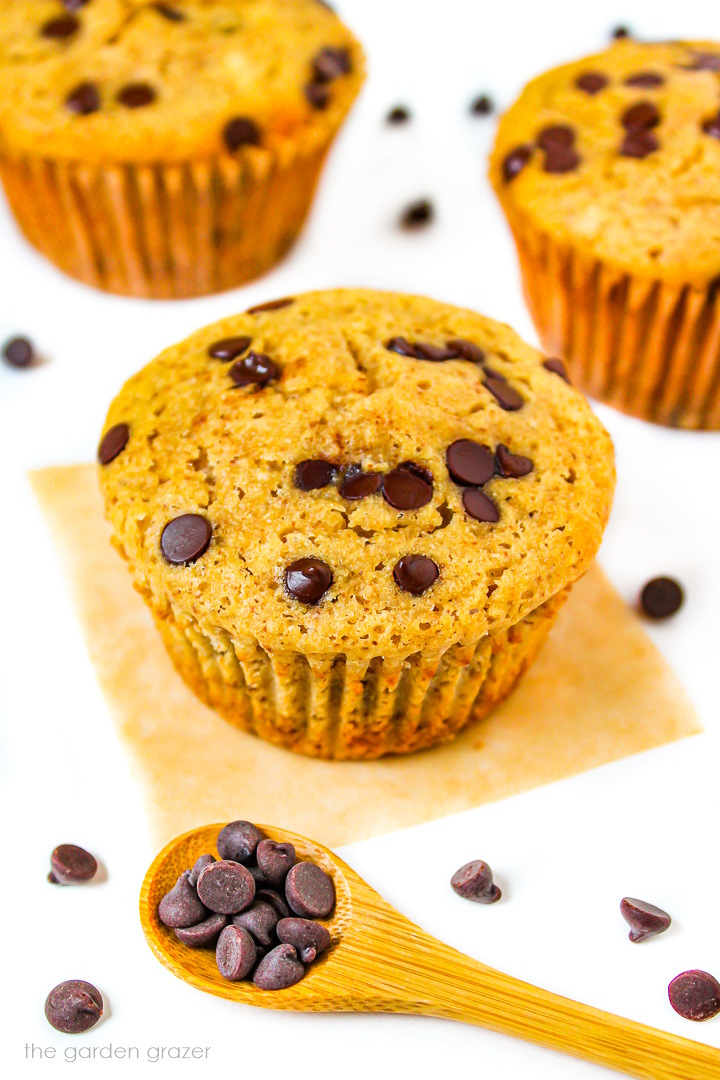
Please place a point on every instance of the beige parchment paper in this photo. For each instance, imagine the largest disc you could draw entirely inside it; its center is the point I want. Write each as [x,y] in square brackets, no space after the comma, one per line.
[599,691]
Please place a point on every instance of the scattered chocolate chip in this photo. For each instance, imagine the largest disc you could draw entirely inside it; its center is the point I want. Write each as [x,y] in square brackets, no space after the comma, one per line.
[557,367]
[712,125]
[639,144]
[561,159]
[113,443]
[271,305]
[398,115]
[309,891]
[313,473]
[74,5]
[515,162]
[620,32]
[317,94]
[18,352]
[275,860]
[235,953]
[357,484]
[308,580]
[240,131]
[71,865]
[136,95]
[308,938]
[202,934]
[704,62]
[474,881]
[226,887]
[408,487]
[185,539]
[695,995]
[507,397]
[647,80]
[470,462]
[229,348]
[170,13]
[512,465]
[644,920]
[401,346]
[238,841]
[481,105]
[661,598]
[641,117]
[479,505]
[279,969]
[331,63]
[181,907]
[417,214]
[61,28]
[415,573]
[591,82]
[255,369]
[198,867]
[84,99]
[437,353]
[73,1006]
[260,921]
[276,900]
[556,135]
[466,350]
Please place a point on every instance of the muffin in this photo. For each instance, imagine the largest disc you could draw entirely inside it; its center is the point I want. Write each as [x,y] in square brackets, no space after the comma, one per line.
[353,514]
[608,170]
[168,149]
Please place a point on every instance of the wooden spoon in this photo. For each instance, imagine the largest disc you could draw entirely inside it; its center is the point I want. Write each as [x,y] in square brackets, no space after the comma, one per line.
[381,962]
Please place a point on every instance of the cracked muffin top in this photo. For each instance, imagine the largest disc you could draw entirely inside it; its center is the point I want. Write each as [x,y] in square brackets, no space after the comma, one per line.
[619,154]
[117,80]
[354,471]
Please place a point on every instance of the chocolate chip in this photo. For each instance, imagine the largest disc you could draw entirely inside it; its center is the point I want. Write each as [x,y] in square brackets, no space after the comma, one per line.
[241,131]
[466,350]
[275,899]
[275,860]
[238,841]
[620,32]
[481,105]
[591,82]
[202,934]
[561,159]
[226,887]
[181,906]
[695,995]
[415,573]
[313,473]
[641,117]
[506,397]
[644,920]
[437,353]
[279,969]
[260,921]
[73,1006]
[235,953]
[18,352]
[474,881]
[185,539]
[84,99]
[556,135]
[557,367]
[170,13]
[408,487]
[417,214]
[198,867]
[331,63]
[271,305]
[308,580]
[704,62]
[136,95]
[401,346]
[229,348]
[398,115]
[310,891]
[479,505]
[308,938]
[648,80]
[512,465]
[72,865]
[515,162]
[74,5]
[317,94]
[113,443]
[61,28]
[639,144]
[712,126]
[469,462]
[661,598]
[357,484]
[255,369]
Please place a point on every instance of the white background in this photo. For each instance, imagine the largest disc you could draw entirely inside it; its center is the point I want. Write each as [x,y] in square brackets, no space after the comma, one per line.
[566,854]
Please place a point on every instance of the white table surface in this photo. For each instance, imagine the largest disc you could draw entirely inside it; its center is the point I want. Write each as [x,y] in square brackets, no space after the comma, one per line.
[564,854]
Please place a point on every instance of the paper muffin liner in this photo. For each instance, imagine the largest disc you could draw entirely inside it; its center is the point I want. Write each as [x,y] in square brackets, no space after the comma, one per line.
[167,231]
[344,708]
[646,347]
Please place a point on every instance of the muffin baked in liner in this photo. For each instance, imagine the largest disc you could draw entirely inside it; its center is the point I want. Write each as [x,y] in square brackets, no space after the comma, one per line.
[369,664]
[202,185]
[617,226]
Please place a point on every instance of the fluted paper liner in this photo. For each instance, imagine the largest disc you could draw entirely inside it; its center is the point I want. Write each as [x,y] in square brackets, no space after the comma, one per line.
[598,692]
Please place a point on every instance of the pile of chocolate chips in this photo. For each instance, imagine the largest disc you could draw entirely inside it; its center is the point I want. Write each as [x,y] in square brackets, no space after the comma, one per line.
[257,906]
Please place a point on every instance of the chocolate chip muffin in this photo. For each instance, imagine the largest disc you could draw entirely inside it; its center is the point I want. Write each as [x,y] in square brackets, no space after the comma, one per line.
[168,149]
[608,170]
[354,514]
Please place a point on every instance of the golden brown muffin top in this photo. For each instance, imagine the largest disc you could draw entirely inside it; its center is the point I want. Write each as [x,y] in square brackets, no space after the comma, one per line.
[222,426]
[139,80]
[618,154]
